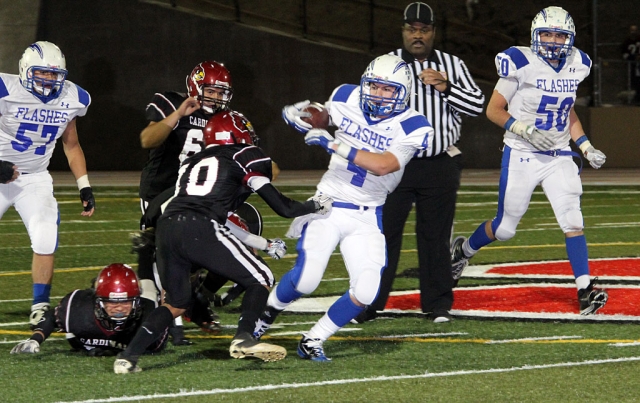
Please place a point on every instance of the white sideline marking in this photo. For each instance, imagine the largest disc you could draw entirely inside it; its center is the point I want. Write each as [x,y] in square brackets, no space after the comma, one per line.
[635,343]
[13,324]
[351,381]
[406,336]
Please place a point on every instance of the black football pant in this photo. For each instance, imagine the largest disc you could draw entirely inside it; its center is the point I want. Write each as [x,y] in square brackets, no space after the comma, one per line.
[432,184]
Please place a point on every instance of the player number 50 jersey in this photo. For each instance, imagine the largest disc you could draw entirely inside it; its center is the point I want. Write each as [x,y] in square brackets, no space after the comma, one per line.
[539,94]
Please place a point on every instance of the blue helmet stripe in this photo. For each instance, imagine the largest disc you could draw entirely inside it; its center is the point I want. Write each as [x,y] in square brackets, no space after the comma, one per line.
[38,49]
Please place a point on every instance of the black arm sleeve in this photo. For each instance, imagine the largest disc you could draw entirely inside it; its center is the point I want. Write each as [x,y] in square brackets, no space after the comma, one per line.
[46,326]
[284,206]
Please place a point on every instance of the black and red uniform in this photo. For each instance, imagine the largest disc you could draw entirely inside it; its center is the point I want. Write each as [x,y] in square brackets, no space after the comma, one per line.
[75,315]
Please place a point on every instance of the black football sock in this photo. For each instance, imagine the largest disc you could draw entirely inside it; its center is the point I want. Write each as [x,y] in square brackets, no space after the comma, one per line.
[151,329]
[146,258]
[253,303]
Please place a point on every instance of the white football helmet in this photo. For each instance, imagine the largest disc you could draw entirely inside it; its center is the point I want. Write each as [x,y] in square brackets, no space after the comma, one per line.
[552,19]
[385,70]
[45,57]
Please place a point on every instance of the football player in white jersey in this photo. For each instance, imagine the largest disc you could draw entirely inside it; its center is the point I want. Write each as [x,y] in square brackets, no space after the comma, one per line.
[377,134]
[538,85]
[37,107]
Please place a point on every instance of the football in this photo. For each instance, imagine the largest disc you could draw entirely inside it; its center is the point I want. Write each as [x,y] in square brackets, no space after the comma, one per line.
[319,118]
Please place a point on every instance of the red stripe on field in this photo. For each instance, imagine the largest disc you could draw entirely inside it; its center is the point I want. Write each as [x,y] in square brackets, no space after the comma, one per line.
[551,299]
[618,267]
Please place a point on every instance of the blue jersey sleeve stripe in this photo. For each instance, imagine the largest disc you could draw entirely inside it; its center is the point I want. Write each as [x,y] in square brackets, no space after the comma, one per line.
[517,57]
[343,93]
[3,89]
[414,123]
[585,59]
[83,96]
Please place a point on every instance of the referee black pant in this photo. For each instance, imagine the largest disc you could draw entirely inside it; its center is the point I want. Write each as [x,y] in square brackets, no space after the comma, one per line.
[432,184]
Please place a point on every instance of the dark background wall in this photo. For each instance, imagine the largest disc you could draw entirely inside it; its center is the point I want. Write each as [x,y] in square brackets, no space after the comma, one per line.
[123,51]
[126,51]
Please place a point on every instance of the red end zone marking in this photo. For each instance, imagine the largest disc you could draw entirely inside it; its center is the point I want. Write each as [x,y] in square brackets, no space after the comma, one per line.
[546,299]
[615,267]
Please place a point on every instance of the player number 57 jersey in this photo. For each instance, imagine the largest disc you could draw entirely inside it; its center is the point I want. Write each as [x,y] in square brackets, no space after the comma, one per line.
[29,128]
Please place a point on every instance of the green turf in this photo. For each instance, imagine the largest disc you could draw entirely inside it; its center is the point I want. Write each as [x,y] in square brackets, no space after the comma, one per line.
[370,364]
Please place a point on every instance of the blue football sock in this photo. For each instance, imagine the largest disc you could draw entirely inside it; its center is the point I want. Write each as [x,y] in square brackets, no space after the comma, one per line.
[479,238]
[286,291]
[41,293]
[343,310]
[578,255]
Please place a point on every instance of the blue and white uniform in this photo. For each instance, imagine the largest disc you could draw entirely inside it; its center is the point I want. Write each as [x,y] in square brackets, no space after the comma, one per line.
[355,222]
[29,129]
[542,96]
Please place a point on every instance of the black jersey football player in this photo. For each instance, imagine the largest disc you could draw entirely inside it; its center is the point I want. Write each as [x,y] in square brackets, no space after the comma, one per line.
[192,232]
[174,132]
[101,320]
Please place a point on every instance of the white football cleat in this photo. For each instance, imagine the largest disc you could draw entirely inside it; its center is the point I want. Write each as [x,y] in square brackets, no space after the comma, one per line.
[122,366]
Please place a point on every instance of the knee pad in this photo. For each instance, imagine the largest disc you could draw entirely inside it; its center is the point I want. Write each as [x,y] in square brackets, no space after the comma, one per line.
[44,235]
[503,232]
[366,287]
[571,221]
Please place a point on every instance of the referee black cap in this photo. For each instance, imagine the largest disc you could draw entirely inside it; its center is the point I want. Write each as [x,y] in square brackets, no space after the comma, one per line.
[418,12]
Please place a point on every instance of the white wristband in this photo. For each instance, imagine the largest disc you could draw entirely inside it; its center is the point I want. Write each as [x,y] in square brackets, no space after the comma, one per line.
[520,128]
[343,150]
[83,182]
[584,145]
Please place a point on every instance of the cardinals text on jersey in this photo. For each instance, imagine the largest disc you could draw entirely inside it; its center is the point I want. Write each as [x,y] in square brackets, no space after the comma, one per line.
[29,128]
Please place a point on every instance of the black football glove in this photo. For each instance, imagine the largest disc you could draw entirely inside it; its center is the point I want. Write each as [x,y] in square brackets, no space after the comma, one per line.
[6,171]
[86,195]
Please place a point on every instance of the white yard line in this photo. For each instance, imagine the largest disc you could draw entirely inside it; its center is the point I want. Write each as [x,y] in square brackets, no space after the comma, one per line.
[426,375]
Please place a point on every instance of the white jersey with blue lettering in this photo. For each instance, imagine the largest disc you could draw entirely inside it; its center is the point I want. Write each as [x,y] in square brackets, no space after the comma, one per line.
[403,135]
[539,94]
[29,127]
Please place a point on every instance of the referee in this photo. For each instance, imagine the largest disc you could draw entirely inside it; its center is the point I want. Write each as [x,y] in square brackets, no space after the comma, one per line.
[443,90]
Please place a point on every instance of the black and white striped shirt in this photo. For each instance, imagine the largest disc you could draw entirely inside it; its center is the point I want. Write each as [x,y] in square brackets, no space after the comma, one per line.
[443,109]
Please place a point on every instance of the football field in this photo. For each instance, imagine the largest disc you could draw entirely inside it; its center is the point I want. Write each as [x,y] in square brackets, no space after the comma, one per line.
[401,356]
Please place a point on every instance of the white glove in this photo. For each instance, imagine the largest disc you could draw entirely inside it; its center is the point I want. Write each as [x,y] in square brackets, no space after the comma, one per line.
[319,137]
[26,347]
[276,248]
[292,114]
[595,157]
[532,135]
[323,204]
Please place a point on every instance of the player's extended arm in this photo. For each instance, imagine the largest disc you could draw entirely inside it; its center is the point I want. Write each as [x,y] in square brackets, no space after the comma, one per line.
[595,157]
[497,113]
[283,205]
[379,164]
[157,132]
[276,248]
[42,331]
[78,166]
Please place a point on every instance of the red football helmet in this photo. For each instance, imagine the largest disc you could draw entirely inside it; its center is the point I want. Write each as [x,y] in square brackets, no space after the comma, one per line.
[210,75]
[117,283]
[229,127]
[250,217]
